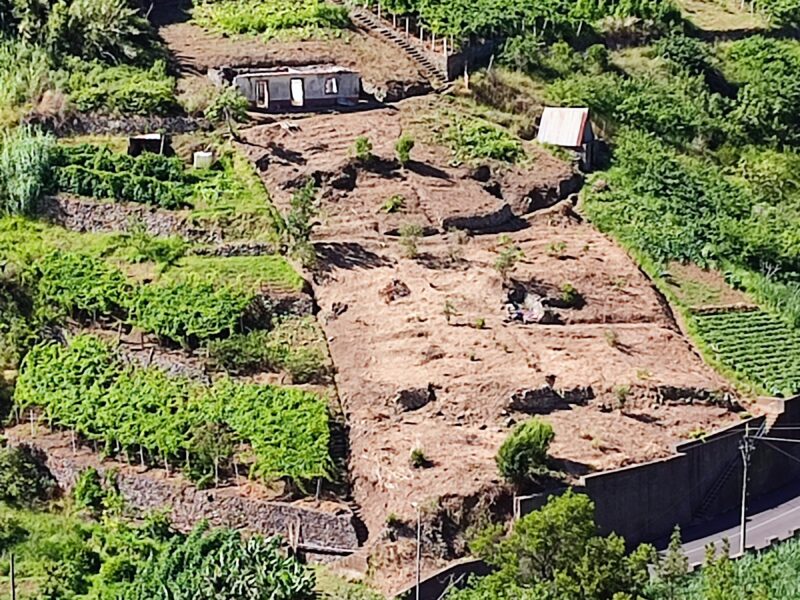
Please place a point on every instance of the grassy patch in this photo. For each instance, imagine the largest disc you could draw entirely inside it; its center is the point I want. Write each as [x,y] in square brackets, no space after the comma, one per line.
[293,19]
[295,346]
[247,273]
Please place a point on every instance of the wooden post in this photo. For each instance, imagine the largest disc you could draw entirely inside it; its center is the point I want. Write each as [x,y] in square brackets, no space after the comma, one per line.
[433,40]
[319,487]
[13,577]
[408,23]
[33,431]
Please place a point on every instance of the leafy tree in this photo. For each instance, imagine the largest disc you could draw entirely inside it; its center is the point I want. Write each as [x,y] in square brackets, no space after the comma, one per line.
[523,454]
[24,481]
[674,567]
[555,554]
[719,580]
[299,223]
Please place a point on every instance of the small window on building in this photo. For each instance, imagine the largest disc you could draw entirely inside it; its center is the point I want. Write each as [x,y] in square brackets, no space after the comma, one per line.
[331,86]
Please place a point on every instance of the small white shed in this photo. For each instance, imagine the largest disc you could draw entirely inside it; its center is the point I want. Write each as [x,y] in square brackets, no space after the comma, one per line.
[569,128]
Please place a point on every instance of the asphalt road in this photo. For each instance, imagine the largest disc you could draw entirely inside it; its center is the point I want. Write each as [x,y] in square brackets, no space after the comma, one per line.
[771,517]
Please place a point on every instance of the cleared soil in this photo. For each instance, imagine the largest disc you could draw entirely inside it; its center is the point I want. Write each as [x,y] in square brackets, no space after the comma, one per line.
[196,50]
[438,321]
[289,152]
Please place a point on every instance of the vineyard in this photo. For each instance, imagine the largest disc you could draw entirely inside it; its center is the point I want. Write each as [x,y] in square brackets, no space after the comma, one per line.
[755,345]
[172,421]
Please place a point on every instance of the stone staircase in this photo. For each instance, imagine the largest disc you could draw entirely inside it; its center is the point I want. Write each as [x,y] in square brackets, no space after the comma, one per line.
[368,21]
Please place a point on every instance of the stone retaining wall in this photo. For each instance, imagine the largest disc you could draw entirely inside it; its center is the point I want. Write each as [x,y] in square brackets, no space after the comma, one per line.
[84,215]
[151,490]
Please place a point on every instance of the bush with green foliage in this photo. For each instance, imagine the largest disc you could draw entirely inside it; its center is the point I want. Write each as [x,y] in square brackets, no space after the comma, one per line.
[97,172]
[478,139]
[523,455]
[24,481]
[88,492]
[86,388]
[403,147]
[103,53]
[187,310]
[60,555]
[362,149]
[228,106]
[121,89]
[271,18]
[555,553]
[481,19]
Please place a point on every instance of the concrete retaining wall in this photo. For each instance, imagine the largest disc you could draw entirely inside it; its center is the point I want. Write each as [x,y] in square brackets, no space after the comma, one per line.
[645,502]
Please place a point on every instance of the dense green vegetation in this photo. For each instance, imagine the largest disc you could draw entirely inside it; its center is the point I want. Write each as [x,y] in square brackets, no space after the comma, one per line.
[705,152]
[464,20]
[61,554]
[86,388]
[478,139]
[555,553]
[774,574]
[101,55]
[523,455]
[755,344]
[271,18]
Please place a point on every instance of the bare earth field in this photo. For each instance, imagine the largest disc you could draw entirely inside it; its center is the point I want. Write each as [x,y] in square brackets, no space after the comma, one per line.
[196,50]
[435,328]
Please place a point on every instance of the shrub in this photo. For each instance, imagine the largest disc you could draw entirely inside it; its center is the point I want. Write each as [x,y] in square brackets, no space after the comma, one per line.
[228,106]
[122,89]
[362,149]
[222,565]
[394,204]
[523,455]
[294,346]
[418,459]
[142,247]
[403,147]
[472,139]
[24,169]
[24,481]
[88,491]
[597,58]
[508,256]
[684,53]
[570,297]
[410,234]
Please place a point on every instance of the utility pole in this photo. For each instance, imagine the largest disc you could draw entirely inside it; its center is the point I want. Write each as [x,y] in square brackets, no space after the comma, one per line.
[746,447]
[419,549]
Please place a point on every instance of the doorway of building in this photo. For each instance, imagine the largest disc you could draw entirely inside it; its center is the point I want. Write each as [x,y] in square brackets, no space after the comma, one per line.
[298,92]
[262,94]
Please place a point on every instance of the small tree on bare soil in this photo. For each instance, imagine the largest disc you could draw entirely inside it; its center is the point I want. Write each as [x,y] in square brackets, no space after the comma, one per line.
[410,234]
[298,224]
[524,453]
[403,147]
